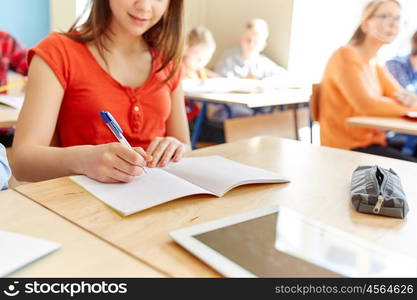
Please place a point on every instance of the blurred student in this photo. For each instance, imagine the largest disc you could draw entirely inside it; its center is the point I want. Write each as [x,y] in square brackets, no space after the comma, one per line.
[199,49]
[12,57]
[404,68]
[124,59]
[355,85]
[247,61]
[4,168]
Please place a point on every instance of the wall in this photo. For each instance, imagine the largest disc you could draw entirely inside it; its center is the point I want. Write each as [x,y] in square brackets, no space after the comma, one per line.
[27,20]
[63,14]
[319,27]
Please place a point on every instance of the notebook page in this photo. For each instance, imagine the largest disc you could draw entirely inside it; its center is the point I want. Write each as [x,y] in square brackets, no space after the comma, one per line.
[218,174]
[12,101]
[17,251]
[147,190]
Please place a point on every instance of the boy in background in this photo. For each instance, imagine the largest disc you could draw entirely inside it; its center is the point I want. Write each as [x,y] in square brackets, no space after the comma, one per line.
[247,61]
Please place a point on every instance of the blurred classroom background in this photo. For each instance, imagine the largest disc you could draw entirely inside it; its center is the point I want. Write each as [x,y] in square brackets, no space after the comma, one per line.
[303,33]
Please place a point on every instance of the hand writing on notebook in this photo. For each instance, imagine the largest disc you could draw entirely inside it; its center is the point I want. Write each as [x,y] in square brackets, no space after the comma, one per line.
[164,150]
[114,162]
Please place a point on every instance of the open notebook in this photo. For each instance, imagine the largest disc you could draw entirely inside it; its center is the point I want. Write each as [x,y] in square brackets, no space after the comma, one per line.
[15,101]
[17,251]
[213,175]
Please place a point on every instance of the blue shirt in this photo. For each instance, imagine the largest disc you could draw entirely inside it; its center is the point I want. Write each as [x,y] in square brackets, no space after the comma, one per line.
[402,70]
[232,64]
[4,168]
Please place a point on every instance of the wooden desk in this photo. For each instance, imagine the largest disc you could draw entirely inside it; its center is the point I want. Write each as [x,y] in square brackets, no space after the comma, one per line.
[8,116]
[254,100]
[395,124]
[320,189]
[279,97]
[81,254]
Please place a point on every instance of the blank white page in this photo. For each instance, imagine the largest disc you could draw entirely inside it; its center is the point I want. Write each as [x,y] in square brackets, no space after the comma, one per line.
[17,251]
[218,174]
[147,190]
[12,101]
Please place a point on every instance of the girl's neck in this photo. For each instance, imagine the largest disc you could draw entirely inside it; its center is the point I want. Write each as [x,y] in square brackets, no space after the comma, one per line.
[122,41]
[368,50]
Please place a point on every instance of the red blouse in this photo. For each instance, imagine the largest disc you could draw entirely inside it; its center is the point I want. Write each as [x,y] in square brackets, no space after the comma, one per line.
[141,112]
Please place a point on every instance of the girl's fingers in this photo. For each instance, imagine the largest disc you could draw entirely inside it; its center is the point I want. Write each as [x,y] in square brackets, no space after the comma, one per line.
[142,152]
[179,153]
[168,154]
[156,156]
[127,168]
[129,155]
[120,176]
[153,145]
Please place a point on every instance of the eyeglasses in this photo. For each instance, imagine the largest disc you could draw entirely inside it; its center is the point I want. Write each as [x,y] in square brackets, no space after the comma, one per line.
[389,19]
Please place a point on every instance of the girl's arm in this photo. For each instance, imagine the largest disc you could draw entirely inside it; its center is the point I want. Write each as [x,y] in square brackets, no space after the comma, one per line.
[177,125]
[352,83]
[34,159]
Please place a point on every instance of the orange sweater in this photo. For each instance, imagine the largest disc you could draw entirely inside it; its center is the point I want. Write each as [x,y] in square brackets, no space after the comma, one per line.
[351,87]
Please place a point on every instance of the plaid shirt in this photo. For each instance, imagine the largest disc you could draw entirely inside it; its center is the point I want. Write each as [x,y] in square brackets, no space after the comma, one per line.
[12,57]
[403,71]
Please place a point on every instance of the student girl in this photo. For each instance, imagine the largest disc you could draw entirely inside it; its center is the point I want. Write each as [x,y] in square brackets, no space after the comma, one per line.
[355,85]
[199,49]
[404,68]
[123,59]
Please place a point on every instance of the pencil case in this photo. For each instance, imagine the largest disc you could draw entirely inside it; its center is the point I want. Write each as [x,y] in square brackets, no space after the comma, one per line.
[378,191]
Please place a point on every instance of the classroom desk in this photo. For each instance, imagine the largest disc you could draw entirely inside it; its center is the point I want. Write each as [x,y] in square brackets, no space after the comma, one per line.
[277,97]
[320,189]
[8,116]
[81,255]
[395,124]
[254,100]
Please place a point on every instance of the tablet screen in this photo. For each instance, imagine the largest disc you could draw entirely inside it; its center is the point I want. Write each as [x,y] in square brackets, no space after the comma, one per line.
[284,244]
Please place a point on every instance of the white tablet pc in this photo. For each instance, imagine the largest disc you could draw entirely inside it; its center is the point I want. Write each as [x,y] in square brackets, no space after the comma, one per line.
[278,242]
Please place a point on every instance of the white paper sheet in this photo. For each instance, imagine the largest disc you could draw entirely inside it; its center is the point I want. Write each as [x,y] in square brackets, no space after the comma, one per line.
[17,251]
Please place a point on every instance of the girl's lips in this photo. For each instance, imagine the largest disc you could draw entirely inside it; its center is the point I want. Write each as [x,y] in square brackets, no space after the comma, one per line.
[138,20]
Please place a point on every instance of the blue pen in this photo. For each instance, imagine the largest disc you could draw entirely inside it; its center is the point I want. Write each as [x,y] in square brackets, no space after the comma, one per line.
[115,129]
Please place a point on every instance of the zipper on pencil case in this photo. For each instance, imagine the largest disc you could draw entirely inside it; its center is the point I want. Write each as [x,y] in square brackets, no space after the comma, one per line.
[381,186]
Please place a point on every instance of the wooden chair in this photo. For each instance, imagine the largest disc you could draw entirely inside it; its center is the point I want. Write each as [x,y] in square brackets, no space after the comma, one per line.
[315,103]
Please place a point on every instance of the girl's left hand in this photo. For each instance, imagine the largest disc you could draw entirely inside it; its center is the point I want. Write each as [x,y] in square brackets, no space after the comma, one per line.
[164,150]
[407,98]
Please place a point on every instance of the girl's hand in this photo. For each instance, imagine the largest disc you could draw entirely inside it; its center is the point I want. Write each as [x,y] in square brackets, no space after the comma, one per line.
[113,162]
[164,150]
[407,98]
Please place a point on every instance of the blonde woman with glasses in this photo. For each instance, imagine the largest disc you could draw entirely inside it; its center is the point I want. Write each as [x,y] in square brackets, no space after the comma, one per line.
[354,84]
